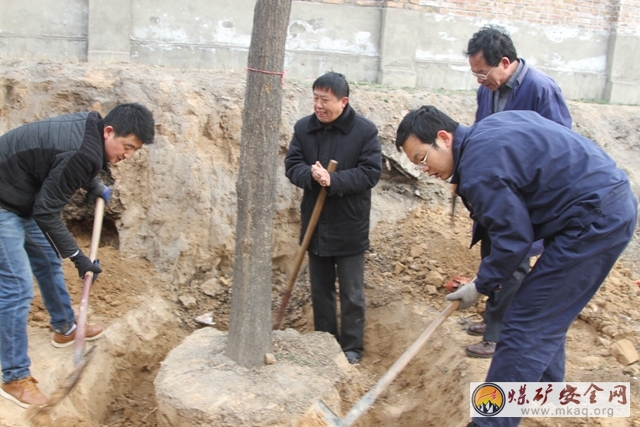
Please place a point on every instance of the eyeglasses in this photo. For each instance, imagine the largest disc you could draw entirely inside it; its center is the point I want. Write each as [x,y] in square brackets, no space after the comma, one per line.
[420,166]
[481,76]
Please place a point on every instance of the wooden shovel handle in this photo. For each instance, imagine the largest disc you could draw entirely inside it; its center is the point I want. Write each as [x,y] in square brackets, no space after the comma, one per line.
[81,328]
[97,229]
[313,221]
[367,400]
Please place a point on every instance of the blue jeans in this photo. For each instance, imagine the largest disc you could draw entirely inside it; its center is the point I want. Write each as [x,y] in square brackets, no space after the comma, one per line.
[24,253]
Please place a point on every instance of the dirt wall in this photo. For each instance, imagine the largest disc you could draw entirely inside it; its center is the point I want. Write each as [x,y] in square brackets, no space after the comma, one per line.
[174,205]
[175,201]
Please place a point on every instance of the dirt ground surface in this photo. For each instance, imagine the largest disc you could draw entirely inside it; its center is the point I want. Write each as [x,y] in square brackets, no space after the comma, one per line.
[416,249]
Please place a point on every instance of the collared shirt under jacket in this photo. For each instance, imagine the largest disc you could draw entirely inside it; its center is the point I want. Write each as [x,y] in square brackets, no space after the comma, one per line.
[533,90]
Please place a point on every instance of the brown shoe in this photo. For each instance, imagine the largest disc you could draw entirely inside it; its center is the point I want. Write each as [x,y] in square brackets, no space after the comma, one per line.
[477,329]
[92,332]
[24,392]
[483,349]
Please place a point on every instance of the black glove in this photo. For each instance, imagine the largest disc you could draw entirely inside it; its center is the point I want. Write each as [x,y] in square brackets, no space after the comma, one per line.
[84,265]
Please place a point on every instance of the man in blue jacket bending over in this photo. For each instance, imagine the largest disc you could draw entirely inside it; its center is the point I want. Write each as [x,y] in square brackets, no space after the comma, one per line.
[506,83]
[543,182]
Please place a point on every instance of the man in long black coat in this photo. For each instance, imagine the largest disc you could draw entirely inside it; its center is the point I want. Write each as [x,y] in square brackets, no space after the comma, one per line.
[336,250]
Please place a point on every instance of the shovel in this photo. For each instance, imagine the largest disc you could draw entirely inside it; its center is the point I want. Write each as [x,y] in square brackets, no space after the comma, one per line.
[367,400]
[78,347]
[454,198]
[39,415]
[313,221]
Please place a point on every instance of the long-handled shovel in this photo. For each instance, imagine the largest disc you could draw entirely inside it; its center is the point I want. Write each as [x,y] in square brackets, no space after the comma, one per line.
[454,198]
[367,400]
[39,415]
[313,221]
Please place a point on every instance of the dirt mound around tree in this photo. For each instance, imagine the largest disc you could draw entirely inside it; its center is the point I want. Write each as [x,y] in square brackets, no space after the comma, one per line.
[198,385]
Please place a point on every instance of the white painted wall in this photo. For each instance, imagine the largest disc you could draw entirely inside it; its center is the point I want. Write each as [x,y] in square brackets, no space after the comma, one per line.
[388,46]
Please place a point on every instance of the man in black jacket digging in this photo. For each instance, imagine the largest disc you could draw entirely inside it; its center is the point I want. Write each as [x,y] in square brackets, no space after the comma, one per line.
[42,164]
[336,250]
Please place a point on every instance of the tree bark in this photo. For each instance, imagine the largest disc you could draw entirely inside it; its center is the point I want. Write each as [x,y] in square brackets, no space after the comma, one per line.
[250,318]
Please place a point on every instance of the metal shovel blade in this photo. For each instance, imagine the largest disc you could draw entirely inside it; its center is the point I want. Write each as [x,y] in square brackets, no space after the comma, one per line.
[330,417]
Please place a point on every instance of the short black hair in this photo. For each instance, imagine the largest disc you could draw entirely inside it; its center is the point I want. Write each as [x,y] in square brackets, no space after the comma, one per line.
[134,118]
[335,82]
[494,42]
[424,123]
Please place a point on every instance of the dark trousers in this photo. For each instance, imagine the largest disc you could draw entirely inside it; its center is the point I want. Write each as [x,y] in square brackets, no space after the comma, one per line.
[498,302]
[575,262]
[349,270]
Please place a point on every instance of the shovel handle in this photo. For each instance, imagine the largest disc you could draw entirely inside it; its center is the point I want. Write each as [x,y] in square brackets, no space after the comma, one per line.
[367,400]
[313,221]
[454,198]
[81,328]
[98,217]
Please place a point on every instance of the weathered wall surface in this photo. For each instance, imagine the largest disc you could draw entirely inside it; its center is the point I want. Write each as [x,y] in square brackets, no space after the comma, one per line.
[589,46]
[44,29]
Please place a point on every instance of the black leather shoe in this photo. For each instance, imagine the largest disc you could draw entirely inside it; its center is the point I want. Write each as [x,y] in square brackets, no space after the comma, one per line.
[477,329]
[353,357]
[483,349]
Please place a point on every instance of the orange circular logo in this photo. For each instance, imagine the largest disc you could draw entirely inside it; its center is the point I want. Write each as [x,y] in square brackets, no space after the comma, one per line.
[488,399]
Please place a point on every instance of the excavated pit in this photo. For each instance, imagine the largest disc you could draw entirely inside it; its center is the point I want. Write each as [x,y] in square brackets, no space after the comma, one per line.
[149,327]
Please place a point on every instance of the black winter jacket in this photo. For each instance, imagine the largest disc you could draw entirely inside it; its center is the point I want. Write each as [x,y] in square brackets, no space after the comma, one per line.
[43,163]
[351,140]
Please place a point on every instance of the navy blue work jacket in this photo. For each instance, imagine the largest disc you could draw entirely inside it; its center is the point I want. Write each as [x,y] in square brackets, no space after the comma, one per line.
[526,178]
[533,91]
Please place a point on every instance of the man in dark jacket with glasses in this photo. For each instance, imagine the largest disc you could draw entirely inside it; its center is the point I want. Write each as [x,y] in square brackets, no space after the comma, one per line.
[544,182]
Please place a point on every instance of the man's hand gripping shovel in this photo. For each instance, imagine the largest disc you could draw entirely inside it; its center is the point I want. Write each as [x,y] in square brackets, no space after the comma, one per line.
[39,415]
[313,221]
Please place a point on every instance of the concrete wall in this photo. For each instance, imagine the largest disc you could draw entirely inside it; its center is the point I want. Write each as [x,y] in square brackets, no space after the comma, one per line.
[44,29]
[192,34]
[589,46]
[575,58]
[324,37]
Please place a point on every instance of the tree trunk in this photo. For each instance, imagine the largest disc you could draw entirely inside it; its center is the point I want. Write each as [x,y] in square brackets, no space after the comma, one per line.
[250,319]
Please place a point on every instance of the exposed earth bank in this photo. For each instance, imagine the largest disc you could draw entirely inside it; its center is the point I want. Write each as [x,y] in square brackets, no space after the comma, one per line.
[168,241]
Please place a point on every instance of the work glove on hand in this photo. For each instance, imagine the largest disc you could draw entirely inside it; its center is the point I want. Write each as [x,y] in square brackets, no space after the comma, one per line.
[467,295]
[101,191]
[106,194]
[84,265]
